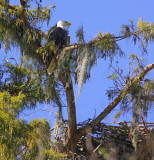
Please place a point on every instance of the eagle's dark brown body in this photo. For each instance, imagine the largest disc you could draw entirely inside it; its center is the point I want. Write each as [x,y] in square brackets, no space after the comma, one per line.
[60,37]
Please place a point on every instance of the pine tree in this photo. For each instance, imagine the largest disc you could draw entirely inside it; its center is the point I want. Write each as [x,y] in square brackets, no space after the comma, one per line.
[28,83]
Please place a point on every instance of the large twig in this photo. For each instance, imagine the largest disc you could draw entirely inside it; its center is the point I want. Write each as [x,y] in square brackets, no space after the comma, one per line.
[116,101]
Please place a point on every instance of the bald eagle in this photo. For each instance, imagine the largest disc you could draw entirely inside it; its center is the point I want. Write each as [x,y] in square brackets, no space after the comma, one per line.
[59,36]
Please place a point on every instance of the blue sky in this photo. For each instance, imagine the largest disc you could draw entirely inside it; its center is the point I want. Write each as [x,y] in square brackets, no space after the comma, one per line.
[96,16]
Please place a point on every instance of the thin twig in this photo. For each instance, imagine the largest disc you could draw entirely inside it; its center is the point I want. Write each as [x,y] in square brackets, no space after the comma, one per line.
[38,111]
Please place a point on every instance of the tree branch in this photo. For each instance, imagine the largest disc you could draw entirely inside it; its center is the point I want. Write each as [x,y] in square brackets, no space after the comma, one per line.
[66,80]
[116,101]
[22,2]
[7,6]
[75,46]
[148,98]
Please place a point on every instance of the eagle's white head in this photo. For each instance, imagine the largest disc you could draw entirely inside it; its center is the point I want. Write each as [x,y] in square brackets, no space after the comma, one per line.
[63,24]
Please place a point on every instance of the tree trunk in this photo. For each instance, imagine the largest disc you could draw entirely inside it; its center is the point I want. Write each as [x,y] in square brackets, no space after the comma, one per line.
[72,126]
[71,108]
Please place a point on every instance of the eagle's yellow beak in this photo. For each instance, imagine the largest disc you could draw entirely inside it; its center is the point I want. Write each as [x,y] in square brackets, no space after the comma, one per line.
[68,23]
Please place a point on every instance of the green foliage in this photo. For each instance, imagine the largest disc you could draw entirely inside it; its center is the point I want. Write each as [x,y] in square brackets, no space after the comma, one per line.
[136,65]
[119,81]
[114,76]
[104,152]
[22,140]
[147,31]
[11,103]
[21,86]
[52,155]
[42,12]
[80,35]
[143,33]
[23,79]
[38,137]
[20,30]
[107,47]
[17,137]
[53,91]
[127,30]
